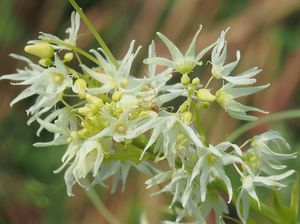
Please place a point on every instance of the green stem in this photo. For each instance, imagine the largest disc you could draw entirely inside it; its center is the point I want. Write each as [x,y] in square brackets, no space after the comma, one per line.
[270,118]
[94,32]
[73,48]
[232,219]
[94,198]
[198,123]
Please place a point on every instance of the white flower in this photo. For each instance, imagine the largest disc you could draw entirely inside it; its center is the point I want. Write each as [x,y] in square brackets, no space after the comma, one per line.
[48,84]
[72,31]
[183,64]
[88,158]
[265,152]
[226,98]
[221,71]
[178,186]
[113,78]
[122,128]
[211,163]
[166,130]
[65,123]
[248,189]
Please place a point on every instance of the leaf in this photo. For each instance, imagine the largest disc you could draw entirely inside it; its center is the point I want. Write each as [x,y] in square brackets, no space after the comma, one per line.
[294,204]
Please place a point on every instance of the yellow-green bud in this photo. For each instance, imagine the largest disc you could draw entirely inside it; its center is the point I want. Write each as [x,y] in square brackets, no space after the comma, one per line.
[205,96]
[187,117]
[94,100]
[83,110]
[185,79]
[80,84]
[46,62]
[42,50]
[68,57]
[124,83]
[185,106]
[191,89]
[117,96]
[69,140]
[196,81]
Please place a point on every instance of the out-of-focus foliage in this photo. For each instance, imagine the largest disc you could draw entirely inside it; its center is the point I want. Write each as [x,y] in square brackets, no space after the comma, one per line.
[266,31]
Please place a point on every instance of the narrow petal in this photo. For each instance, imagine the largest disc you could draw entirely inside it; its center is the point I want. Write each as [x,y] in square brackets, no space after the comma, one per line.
[176,54]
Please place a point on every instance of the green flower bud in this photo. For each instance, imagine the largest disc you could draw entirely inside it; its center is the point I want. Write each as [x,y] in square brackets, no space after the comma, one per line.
[187,117]
[68,57]
[42,50]
[185,106]
[196,81]
[46,62]
[83,110]
[80,84]
[205,96]
[185,79]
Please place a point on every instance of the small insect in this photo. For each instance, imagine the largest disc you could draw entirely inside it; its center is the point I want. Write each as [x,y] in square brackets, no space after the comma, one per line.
[155,108]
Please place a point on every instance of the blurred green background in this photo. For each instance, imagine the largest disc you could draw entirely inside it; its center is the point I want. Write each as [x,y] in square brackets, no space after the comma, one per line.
[266,31]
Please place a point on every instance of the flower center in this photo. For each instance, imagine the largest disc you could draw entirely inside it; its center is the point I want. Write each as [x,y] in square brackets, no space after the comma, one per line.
[185,66]
[120,128]
[58,78]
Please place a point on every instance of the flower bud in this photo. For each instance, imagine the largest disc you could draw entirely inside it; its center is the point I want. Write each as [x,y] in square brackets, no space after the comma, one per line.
[196,81]
[185,79]
[80,85]
[185,106]
[205,96]
[46,62]
[94,100]
[117,96]
[187,117]
[83,110]
[42,50]
[83,133]
[68,57]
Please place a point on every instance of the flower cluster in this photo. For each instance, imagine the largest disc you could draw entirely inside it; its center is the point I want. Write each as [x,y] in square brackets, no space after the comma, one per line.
[111,121]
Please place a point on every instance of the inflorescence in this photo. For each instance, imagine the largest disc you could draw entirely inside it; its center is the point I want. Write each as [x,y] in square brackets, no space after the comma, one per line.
[112,121]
